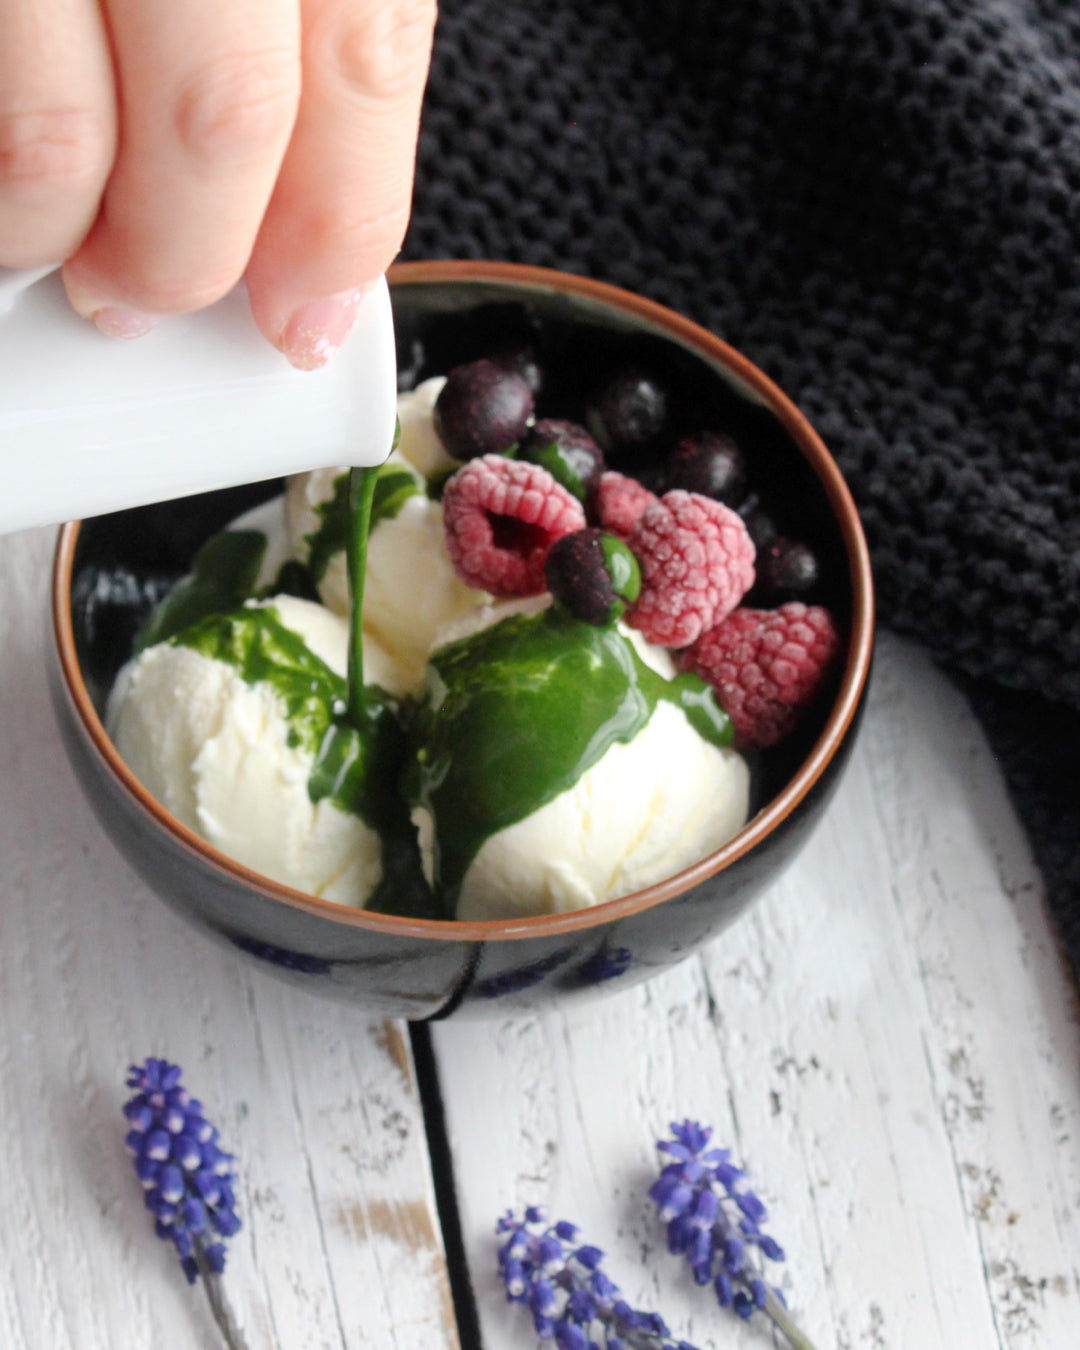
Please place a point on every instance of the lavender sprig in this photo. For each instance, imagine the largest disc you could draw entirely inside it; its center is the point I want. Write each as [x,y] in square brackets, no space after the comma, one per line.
[714,1219]
[572,1301]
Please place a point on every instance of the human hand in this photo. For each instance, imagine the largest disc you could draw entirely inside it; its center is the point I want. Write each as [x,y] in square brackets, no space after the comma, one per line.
[165,150]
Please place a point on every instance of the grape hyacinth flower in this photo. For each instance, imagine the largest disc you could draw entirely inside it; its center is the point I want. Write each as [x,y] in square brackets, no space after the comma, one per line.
[714,1220]
[573,1302]
[189,1181]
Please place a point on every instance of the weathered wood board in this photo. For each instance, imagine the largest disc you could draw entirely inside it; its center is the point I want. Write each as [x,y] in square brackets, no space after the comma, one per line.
[888,1040]
[340,1248]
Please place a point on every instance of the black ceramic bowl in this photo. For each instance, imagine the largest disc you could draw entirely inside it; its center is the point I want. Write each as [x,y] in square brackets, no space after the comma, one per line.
[109,570]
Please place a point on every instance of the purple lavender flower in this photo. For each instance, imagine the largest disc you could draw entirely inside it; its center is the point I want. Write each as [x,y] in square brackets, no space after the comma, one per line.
[714,1220]
[189,1181]
[573,1302]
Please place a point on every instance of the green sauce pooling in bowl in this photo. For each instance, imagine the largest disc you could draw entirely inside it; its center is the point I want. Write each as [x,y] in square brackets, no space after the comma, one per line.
[516,713]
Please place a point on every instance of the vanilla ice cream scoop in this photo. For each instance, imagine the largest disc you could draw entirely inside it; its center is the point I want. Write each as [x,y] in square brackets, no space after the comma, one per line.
[555,769]
[418,441]
[411,589]
[229,725]
[646,810]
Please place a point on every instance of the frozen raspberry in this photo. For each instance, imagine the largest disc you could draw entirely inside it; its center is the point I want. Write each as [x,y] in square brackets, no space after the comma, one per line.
[501,516]
[620,503]
[766,666]
[697,563]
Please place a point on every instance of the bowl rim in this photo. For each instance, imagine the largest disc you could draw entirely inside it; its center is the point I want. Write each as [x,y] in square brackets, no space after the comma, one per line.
[856,671]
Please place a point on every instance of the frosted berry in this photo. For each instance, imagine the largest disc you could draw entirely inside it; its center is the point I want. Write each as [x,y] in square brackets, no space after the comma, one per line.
[759,523]
[483,408]
[523,361]
[501,516]
[786,567]
[593,576]
[619,503]
[709,462]
[627,412]
[568,453]
[697,562]
[766,666]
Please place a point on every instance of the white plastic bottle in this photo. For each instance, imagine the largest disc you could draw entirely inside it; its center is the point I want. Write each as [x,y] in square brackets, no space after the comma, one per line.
[89,424]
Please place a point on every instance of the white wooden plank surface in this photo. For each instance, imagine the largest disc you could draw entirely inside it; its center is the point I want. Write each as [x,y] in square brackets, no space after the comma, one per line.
[888,1040]
[340,1247]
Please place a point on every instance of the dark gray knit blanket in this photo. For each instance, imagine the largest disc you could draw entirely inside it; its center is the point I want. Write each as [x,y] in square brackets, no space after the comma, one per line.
[879,202]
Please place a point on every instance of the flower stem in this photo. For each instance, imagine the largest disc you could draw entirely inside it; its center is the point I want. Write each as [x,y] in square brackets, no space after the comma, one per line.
[779,1315]
[219,1305]
[361,492]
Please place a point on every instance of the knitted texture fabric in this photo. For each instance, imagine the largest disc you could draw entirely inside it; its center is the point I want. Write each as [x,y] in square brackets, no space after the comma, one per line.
[879,202]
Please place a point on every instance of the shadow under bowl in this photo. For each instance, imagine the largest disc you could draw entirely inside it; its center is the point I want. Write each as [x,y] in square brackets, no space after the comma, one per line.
[111,569]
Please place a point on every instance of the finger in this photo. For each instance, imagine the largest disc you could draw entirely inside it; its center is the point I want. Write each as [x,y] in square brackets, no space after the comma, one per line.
[209,91]
[57,126]
[341,204]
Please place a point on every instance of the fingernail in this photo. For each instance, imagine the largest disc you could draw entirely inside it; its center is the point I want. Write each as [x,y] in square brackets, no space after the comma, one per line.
[116,321]
[318,329]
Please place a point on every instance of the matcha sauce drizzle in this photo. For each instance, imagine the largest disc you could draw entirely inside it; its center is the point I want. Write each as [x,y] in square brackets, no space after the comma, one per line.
[361,494]
[394,484]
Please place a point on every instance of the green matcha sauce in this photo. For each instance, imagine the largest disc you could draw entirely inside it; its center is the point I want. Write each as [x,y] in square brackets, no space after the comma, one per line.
[223,575]
[516,714]
[394,484]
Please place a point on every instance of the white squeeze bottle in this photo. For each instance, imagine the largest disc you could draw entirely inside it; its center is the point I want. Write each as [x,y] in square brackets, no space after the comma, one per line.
[89,424]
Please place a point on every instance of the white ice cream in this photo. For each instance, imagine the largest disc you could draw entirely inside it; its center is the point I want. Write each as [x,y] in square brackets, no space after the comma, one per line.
[214,751]
[646,810]
[410,590]
[419,442]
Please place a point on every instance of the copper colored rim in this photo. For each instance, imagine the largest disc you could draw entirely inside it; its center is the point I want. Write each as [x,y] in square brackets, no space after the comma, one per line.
[855,674]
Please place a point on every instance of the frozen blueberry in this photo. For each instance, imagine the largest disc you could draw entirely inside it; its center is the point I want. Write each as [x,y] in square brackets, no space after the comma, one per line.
[786,567]
[568,453]
[710,463]
[759,523]
[483,409]
[592,575]
[627,413]
[523,361]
